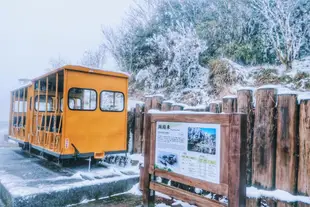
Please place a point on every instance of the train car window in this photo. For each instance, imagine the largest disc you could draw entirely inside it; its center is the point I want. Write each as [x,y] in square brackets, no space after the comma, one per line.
[71,104]
[62,104]
[82,99]
[21,108]
[112,101]
[42,103]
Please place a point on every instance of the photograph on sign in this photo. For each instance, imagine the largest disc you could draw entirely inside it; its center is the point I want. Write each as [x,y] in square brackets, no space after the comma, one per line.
[169,160]
[190,149]
[202,140]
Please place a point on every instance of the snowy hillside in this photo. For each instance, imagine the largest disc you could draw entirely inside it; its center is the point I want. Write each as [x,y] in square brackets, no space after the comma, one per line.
[226,77]
[198,51]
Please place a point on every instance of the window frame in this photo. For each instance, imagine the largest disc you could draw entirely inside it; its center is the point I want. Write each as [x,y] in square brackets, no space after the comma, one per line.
[30,104]
[114,92]
[68,99]
[35,108]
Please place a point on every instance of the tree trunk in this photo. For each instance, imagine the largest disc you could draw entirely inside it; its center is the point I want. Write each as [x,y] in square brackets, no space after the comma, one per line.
[289,65]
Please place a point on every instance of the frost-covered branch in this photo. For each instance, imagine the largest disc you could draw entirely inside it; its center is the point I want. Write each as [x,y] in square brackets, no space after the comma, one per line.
[283,30]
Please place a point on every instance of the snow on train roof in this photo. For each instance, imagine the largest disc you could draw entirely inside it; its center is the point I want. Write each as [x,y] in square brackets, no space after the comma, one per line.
[98,69]
[82,68]
[25,85]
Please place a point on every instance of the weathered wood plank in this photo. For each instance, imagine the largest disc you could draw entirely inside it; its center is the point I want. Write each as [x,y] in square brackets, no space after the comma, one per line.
[253,202]
[138,129]
[148,195]
[214,108]
[225,141]
[237,161]
[183,195]
[177,107]
[220,106]
[230,104]
[286,159]
[152,147]
[141,178]
[304,148]
[157,102]
[221,189]
[166,106]
[284,204]
[147,107]
[264,150]
[245,105]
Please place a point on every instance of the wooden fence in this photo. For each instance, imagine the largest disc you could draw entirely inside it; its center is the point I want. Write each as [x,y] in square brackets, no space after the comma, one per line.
[278,138]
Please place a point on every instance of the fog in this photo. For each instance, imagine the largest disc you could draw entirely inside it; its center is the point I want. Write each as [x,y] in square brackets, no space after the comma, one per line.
[34,31]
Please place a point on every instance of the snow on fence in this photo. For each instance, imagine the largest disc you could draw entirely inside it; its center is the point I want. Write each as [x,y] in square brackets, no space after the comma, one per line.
[278,140]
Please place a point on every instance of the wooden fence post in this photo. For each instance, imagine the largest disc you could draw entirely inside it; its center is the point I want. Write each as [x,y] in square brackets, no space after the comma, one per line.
[286,143]
[130,130]
[157,102]
[245,105]
[166,105]
[220,106]
[147,107]
[214,107]
[138,129]
[230,104]
[148,194]
[237,161]
[177,107]
[304,148]
[286,159]
[264,148]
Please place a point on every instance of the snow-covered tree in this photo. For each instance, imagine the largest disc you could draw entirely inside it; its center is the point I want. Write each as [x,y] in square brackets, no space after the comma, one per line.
[286,26]
[95,58]
[57,63]
[178,51]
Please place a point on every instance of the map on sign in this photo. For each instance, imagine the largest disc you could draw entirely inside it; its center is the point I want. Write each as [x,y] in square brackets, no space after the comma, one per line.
[190,149]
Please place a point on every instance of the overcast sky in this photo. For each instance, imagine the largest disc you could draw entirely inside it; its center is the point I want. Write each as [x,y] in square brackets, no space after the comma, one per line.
[34,31]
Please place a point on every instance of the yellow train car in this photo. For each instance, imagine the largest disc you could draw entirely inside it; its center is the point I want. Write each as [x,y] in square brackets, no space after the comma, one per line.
[72,112]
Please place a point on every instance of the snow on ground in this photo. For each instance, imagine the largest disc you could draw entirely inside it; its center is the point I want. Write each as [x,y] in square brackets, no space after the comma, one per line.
[138,157]
[135,190]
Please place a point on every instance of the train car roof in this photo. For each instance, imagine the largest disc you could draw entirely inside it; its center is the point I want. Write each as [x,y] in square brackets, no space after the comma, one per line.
[22,86]
[85,70]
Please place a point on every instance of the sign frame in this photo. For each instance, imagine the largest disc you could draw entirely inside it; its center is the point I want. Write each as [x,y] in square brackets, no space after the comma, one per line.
[233,131]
